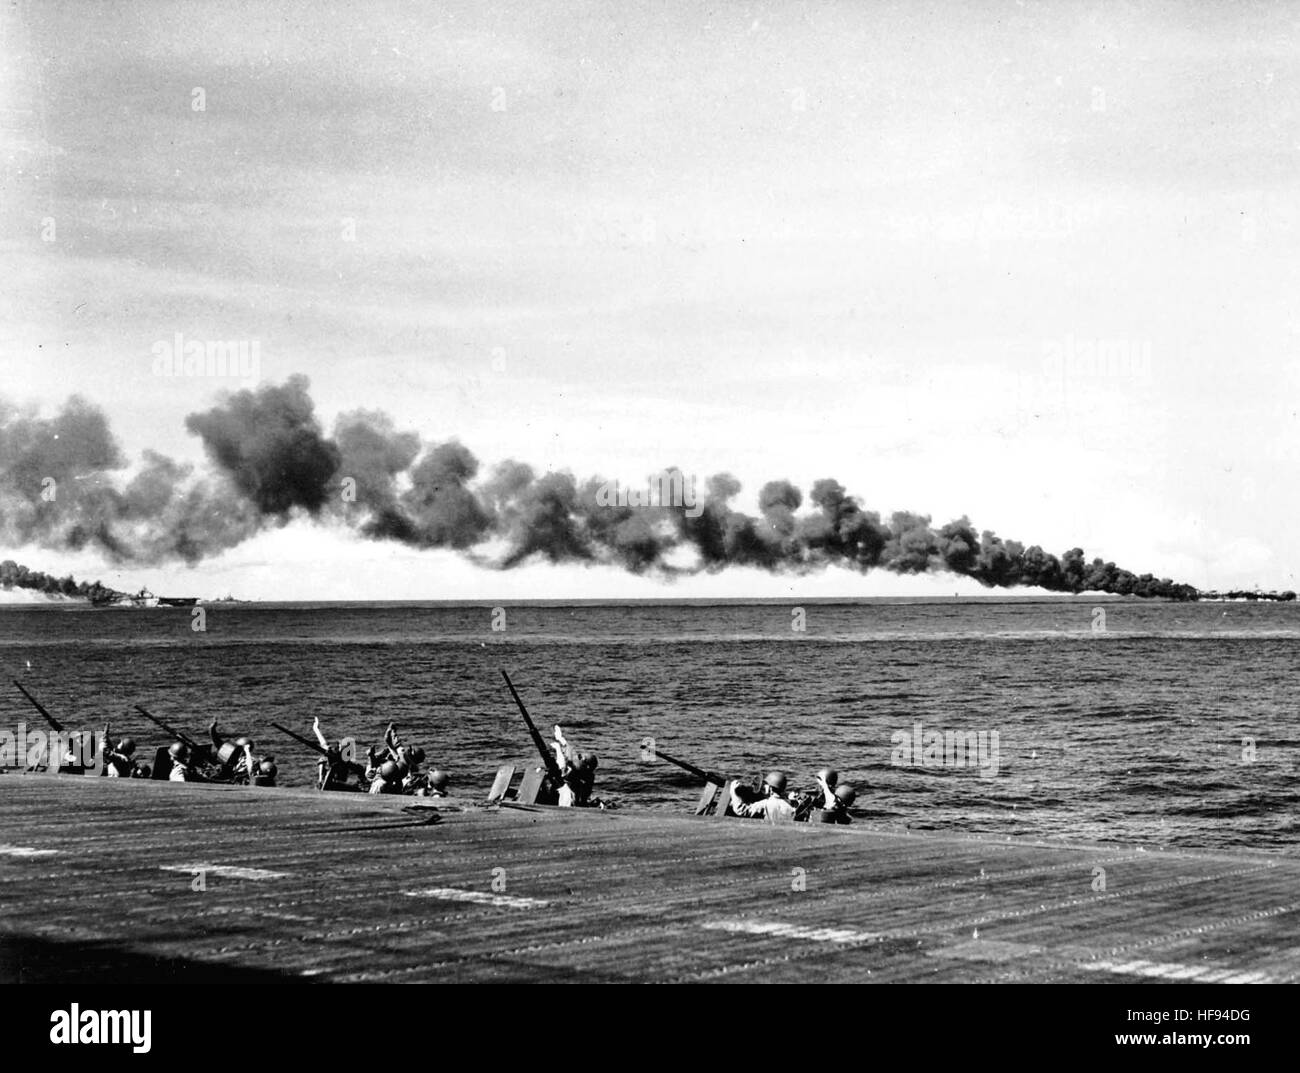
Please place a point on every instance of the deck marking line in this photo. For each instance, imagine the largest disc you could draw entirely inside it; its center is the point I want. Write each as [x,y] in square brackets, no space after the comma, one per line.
[1247,978]
[478,897]
[1188,972]
[25,851]
[1162,968]
[229,871]
[1169,970]
[790,931]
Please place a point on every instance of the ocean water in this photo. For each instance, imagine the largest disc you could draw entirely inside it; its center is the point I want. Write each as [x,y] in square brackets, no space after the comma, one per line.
[1174,725]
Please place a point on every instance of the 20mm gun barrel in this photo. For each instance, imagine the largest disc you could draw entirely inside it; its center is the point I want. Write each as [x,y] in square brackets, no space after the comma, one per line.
[552,768]
[173,733]
[699,773]
[313,745]
[39,707]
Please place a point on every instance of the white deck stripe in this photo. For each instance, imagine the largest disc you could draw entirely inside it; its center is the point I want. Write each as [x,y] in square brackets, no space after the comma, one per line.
[229,871]
[25,851]
[478,897]
[1247,978]
[1188,972]
[1168,970]
[790,931]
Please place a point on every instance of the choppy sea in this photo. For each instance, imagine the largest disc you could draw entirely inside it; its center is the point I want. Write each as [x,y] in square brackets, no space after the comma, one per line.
[1155,723]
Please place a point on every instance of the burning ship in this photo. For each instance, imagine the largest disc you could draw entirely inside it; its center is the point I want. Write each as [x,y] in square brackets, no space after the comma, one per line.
[143,598]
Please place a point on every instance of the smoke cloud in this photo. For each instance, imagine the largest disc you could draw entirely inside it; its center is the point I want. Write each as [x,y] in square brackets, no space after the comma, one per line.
[271,461]
[270,444]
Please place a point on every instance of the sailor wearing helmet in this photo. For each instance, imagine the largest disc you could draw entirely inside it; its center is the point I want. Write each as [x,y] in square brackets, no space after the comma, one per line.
[772,804]
[577,773]
[182,764]
[119,760]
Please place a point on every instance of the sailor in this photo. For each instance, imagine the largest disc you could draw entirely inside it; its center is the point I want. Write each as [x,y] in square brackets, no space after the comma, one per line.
[385,775]
[827,779]
[264,770]
[844,796]
[406,761]
[435,784]
[772,803]
[334,770]
[385,771]
[821,798]
[410,757]
[235,758]
[414,778]
[182,764]
[118,761]
[577,771]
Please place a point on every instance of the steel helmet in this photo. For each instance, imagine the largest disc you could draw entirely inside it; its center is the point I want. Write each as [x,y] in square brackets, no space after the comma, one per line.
[776,780]
[829,776]
[846,795]
[417,755]
[437,779]
[389,771]
[588,761]
[243,743]
[126,746]
[177,751]
[267,767]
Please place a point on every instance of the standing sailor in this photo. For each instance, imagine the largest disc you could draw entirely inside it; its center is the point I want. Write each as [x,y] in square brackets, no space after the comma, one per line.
[334,770]
[409,757]
[578,771]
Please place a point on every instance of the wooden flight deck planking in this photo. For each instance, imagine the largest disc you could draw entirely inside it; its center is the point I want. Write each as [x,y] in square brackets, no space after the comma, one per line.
[302,885]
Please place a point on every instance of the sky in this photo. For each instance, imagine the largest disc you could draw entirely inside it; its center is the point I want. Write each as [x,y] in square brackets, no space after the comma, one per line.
[879,242]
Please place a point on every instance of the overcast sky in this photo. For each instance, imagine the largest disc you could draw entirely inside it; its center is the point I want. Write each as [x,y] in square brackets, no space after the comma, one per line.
[868,241]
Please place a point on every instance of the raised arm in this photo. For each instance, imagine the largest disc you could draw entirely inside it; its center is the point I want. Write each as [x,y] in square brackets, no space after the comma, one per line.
[315,726]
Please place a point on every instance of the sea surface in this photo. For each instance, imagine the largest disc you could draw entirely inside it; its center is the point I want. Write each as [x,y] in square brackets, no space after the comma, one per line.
[1161,725]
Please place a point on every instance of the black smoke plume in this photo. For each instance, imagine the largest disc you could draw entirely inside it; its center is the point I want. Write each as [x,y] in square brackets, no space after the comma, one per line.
[271,445]
[273,461]
[16,576]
